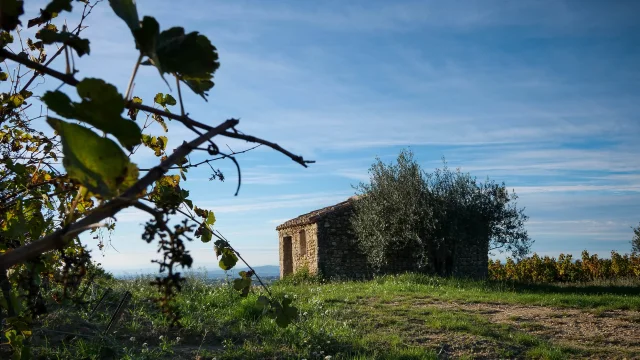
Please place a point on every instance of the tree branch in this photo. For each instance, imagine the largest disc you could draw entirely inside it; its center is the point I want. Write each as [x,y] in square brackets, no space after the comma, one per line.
[187,121]
[59,238]
[67,78]
[274,146]
[209,160]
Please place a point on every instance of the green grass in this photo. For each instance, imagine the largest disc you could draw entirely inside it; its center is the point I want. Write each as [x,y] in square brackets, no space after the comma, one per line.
[393,317]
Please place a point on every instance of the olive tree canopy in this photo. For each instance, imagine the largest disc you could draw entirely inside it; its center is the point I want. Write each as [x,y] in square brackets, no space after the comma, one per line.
[406,213]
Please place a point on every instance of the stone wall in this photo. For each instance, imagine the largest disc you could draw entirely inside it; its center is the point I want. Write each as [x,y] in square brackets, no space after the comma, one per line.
[295,259]
[339,256]
[472,260]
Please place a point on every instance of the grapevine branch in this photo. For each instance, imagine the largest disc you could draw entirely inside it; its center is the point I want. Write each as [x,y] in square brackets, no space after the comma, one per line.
[59,238]
[184,119]
[209,160]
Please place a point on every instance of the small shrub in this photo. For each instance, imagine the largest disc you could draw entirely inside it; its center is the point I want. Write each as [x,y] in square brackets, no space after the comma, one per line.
[301,276]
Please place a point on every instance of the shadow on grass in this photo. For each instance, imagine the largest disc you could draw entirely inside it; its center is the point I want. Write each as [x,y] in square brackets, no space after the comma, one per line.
[576,289]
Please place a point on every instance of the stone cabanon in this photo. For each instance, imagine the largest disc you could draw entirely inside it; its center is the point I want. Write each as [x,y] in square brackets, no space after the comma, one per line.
[324,242]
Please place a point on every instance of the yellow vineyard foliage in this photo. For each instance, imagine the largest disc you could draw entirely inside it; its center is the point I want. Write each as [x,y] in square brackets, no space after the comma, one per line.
[536,269]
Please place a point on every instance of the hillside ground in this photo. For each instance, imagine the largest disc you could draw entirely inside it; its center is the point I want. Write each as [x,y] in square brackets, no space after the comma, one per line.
[393,317]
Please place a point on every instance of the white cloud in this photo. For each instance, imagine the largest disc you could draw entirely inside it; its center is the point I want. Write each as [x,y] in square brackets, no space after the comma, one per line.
[573,188]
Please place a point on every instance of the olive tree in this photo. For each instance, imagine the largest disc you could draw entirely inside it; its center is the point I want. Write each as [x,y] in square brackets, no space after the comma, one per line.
[635,242]
[405,214]
[393,215]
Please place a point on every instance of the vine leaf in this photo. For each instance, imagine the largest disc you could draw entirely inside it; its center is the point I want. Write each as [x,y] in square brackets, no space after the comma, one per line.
[101,107]
[157,144]
[146,38]
[228,259]
[167,192]
[127,11]
[205,234]
[190,56]
[49,36]
[164,100]
[284,313]
[243,284]
[133,112]
[211,218]
[287,316]
[5,38]
[50,11]
[262,302]
[10,13]
[97,163]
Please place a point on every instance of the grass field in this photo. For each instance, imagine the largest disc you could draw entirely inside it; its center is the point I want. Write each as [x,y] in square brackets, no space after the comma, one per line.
[394,317]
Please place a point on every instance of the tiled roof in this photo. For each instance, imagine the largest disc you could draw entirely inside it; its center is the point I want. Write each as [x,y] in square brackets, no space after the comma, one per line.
[314,216]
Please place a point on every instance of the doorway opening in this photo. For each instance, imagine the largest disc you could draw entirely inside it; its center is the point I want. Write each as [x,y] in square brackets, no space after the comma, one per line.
[287,256]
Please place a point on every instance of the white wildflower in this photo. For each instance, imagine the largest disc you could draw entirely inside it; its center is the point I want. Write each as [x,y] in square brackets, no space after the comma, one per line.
[132,339]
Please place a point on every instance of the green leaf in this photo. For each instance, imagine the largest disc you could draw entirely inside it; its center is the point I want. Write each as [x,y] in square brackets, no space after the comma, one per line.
[206,236]
[262,302]
[197,85]
[48,36]
[97,163]
[57,6]
[5,38]
[211,218]
[190,56]
[228,260]
[189,203]
[51,11]
[167,192]
[169,100]
[60,103]
[4,76]
[16,100]
[101,107]
[286,314]
[159,99]
[157,144]
[127,11]
[146,41]
[243,285]
[10,11]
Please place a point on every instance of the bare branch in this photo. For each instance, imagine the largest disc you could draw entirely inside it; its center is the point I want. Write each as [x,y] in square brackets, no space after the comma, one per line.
[274,146]
[67,78]
[209,160]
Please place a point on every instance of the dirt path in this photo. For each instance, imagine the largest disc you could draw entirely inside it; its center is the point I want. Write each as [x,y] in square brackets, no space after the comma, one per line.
[615,333]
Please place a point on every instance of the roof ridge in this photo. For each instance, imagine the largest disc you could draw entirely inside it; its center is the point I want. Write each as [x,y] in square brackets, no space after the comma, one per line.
[314,216]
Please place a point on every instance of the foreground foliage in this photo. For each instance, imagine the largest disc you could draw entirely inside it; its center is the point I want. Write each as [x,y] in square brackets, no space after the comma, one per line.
[392,317]
[67,169]
[536,269]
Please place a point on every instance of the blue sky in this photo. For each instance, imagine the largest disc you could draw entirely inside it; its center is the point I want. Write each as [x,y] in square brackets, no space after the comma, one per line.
[543,95]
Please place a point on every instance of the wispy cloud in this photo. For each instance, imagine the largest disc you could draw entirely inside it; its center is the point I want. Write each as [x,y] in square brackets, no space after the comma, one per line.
[279,202]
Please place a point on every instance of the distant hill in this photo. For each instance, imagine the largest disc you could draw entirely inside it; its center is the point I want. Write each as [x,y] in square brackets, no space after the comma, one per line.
[267,271]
